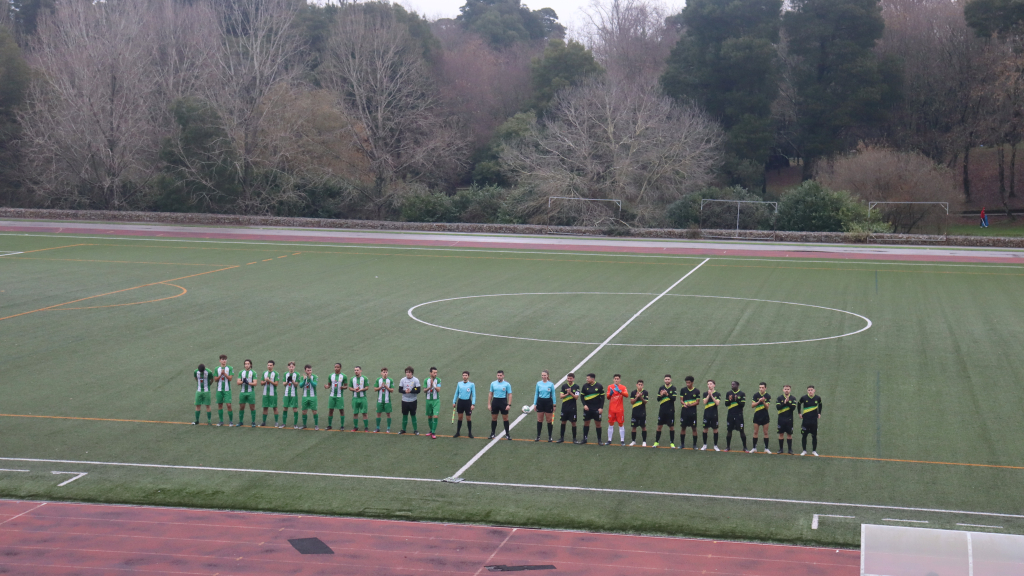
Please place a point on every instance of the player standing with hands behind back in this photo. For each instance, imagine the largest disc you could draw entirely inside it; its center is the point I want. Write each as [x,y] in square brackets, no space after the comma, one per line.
[809,407]
[544,400]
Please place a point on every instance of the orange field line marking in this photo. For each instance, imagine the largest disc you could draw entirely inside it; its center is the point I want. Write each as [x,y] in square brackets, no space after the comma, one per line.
[115,261]
[116,292]
[178,295]
[426,436]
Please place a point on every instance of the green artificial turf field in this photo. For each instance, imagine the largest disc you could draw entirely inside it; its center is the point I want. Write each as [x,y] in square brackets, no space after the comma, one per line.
[100,337]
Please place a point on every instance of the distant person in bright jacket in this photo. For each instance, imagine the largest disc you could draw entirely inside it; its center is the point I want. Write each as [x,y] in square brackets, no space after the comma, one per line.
[984,218]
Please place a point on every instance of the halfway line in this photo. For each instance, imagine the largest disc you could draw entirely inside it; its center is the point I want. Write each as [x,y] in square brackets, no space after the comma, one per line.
[498,438]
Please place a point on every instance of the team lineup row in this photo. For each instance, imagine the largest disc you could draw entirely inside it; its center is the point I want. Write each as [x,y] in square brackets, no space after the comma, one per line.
[300,393]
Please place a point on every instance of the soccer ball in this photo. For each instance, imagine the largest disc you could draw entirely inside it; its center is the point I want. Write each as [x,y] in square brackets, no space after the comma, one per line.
[526,410]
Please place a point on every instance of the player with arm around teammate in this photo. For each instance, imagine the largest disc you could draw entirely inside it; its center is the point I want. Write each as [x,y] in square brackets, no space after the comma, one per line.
[337,384]
[203,377]
[498,400]
[544,401]
[760,403]
[432,398]
[711,401]
[809,407]
[247,393]
[464,402]
[639,415]
[786,406]
[569,393]
[270,381]
[223,379]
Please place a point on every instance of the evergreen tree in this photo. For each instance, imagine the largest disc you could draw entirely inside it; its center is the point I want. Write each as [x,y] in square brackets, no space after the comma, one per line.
[502,23]
[563,65]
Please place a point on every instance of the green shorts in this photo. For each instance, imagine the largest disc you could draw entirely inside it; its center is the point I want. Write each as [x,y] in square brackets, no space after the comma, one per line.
[336,402]
[269,401]
[359,406]
[246,398]
[291,402]
[202,398]
[433,408]
[309,404]
[224,397]
[383,407]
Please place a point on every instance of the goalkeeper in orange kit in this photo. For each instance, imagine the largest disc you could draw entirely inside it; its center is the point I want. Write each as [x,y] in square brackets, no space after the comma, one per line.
[615,393]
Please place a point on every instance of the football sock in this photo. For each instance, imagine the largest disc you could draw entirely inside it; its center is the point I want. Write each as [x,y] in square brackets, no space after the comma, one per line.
[458,429]
[366,423]
[551,429]
[695,440]
[780,444]
[716,438]
[253,414]
[705,439]
[405,421]
[540,426]
[574,433]
[494,426]
[506,427]
[622,434]
[643,434]
[305,419]
[743,438]
[414,426]
[295,418]
[728,440]
[209,417]
[814,439]
[378,423]
[586,431]
[433,425]
[563,430]
[611,432]
[330,420]
[804,441]
[197,416]
[598,433]
[341,420]
[469,427]
[657,436]
[231,416]
[755,443]
[275,418]
[389,422]
[789,442]
[316,419]
[264,419]
[220,416]
[672,436]
[632,435]
[284,419]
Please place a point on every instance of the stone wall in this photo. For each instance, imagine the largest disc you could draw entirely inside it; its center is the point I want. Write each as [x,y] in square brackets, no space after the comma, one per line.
[688,234]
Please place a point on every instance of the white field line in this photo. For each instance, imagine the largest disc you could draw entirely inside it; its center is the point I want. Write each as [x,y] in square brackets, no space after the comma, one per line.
[814,519]
[867,320]
[23,513]
[301,243]
[499,437]
[898,520]
[66,482]
[495,553]
[979,526]
[532,486]
[10,254]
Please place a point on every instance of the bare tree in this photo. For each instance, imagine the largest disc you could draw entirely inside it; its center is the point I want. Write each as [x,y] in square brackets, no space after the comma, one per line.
[91,127]
[629,38]
[618,141]
[378,76]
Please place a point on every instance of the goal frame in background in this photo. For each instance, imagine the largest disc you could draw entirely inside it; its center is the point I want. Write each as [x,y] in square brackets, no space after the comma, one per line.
[944,206]
[749,234]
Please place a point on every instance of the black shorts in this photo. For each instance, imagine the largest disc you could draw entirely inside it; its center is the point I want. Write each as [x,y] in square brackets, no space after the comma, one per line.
[711,422]
[465,406]
[785,426]
[688,421]
[638,419]
[810,427]
[734,422]
[545,405]
[761,418]
[666,418]
[569,415]
[409,407]
[499,406]
[592,414]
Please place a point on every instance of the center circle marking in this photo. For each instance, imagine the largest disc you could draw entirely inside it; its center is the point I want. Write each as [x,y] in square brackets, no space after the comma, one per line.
[867,320]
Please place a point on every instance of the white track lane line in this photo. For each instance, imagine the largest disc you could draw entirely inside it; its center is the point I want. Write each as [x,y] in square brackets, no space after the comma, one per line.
[758,500]
[499,437]
[23,513]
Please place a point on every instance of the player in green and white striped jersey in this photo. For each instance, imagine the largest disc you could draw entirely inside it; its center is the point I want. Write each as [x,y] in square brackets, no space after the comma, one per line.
[291,394]
[337,385]
[309,402]
[432,395]
[223,380]
[247,393]
[203,377]
[359,385]
[270,380]
[384,389]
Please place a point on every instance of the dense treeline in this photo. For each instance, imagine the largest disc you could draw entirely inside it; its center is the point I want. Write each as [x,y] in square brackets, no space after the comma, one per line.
[367,110]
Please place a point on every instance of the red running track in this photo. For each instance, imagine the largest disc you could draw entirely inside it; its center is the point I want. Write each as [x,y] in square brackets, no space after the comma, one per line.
[65,538]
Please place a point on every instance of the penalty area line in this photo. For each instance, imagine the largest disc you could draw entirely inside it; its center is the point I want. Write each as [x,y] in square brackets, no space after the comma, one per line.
[458,475]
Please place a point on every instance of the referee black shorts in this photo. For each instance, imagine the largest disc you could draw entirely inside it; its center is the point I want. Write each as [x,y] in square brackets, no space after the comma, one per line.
[409,407]
[465,406]
[545,405]
[499,406]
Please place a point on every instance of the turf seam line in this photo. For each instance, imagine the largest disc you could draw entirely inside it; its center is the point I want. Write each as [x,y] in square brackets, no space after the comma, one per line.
[500,437]
[285,243]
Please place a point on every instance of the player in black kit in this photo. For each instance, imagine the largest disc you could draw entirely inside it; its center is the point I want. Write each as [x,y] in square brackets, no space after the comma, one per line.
[639,417]
[735,400]
[809,407]
[569,393]
[760,402]
[666,411]
[593,405]
[785,404]
[711,401]
[689,398]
